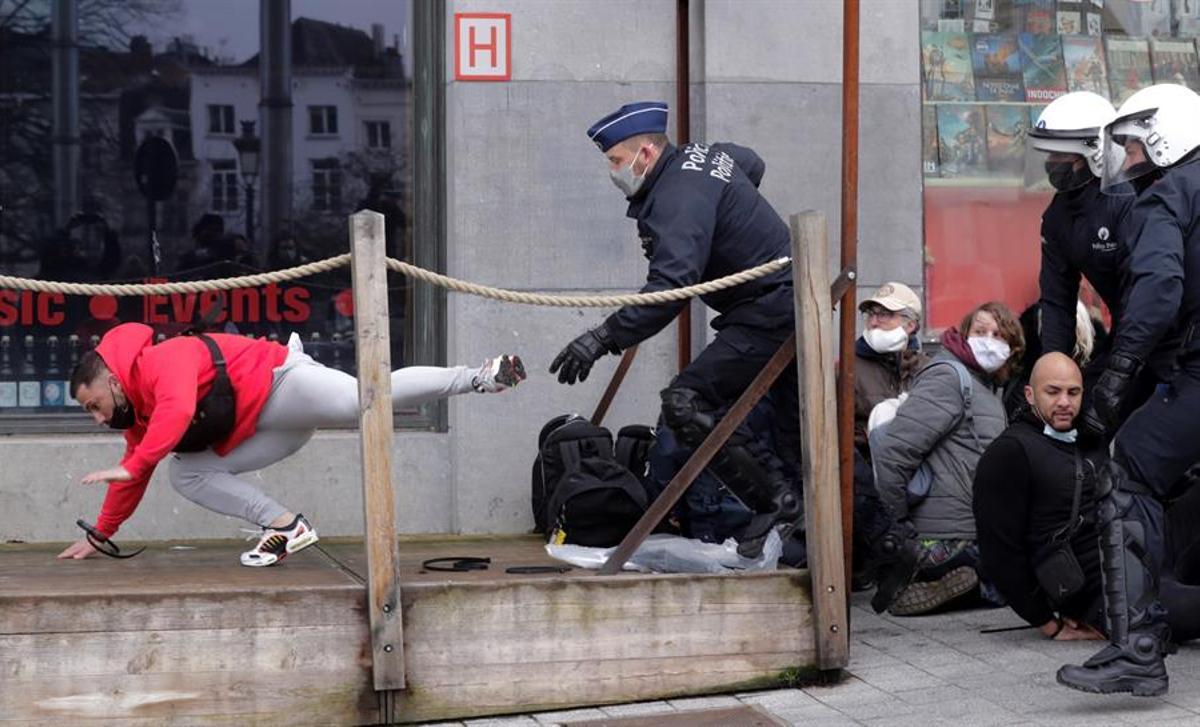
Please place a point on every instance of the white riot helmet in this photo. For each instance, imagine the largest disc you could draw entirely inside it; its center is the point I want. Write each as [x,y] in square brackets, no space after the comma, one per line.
[1067,130]
[1154,129]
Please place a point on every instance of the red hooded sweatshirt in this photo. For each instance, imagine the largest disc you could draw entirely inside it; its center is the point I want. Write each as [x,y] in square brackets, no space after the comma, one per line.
[163,383]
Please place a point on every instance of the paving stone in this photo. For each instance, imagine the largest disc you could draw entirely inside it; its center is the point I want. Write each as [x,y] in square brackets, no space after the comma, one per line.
[524,721]
[782,698]
[693,703]
[944,693]
[814,716]
[901,677]
[637,708]
[574,715]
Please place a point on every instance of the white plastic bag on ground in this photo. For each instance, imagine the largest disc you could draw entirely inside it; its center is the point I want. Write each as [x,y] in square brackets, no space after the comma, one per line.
[674,554]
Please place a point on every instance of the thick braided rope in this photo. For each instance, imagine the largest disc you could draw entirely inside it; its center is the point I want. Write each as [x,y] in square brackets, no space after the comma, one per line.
[590,301]
[9,282]
[182,286]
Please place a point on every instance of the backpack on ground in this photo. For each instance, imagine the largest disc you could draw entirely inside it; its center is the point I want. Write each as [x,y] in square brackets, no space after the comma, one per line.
[581,493]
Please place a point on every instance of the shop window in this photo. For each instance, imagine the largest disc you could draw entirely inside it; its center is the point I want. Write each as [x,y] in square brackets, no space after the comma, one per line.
[989,67]
[222,219]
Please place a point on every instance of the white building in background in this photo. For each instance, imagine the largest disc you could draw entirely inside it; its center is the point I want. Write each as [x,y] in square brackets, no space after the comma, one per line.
[348,126]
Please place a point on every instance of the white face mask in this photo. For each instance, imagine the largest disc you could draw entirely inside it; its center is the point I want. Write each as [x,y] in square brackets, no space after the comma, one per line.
[882,341]
[990,353]
[625,179]
[1068,436]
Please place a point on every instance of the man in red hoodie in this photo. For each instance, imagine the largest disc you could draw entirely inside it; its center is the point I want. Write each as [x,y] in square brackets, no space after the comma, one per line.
[226,405]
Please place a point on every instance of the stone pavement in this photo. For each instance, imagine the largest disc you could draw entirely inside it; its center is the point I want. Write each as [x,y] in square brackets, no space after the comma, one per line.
[939,670]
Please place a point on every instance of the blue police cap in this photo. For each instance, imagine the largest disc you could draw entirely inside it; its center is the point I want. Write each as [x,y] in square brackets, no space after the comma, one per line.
[643,117]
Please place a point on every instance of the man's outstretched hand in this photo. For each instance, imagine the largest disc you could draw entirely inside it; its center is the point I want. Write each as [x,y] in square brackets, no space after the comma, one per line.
[575,361]
[78,550]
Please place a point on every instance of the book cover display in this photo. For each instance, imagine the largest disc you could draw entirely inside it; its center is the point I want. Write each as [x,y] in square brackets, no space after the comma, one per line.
[1083,56]
[962,144]
[1128,67]
[1006,127]
[997,65]
[1175,61]
[1042,67]
[1037,16]
[929,146]
[946,60]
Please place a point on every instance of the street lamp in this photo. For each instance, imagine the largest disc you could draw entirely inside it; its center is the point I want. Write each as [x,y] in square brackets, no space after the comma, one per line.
[249,152]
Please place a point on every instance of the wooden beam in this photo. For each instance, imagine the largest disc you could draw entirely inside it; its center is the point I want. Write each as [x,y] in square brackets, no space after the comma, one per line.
[614,384]
[819,438]
[373,348]
[701,457]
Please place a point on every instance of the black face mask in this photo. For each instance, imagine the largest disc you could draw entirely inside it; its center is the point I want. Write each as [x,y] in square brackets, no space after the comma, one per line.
[122,416]
[1064,177]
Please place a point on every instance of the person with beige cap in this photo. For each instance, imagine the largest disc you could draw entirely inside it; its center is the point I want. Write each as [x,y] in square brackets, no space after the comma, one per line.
[886,357]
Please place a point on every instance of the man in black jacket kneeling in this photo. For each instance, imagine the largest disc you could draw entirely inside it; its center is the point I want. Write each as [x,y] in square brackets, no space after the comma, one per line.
[1034,509]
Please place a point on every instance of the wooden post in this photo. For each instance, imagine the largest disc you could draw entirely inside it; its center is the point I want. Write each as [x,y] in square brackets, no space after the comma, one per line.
[614,385]
[369,271]
[819,438]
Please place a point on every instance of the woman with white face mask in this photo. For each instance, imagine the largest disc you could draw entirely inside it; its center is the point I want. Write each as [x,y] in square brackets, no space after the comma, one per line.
[952,413]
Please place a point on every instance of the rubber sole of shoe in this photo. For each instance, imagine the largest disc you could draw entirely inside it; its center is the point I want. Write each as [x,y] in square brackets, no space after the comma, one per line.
[924,597]
[302,542]
[1137,686]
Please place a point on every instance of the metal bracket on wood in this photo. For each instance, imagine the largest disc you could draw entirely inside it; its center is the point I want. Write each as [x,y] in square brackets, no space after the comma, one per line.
[373,347]
[842,284]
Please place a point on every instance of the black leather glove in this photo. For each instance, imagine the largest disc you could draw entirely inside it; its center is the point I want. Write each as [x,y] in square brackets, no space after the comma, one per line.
[1102,415]
[575,361]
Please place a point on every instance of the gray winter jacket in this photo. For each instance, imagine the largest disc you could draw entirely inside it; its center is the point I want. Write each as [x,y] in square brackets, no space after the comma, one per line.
[930,427]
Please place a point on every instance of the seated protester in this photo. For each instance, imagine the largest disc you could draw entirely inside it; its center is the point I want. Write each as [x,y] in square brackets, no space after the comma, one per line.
[1034,491]
[886,357]
[952,413]
[1025,512]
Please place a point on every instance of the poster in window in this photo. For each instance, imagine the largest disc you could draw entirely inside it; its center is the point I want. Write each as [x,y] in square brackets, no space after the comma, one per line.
[1128,67]
[962,146]
[1175,61]
[997,65]
[1187,18]
[1095,24]
[1037,16]
[946,58]
[929,146]
[1042,67]
[1083,56]
[1006,127]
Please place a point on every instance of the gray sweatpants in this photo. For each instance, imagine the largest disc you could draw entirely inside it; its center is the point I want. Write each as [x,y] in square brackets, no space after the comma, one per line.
[305,396]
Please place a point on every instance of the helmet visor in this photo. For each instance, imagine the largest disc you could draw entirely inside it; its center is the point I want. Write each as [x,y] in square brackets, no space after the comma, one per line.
[1125,155]
[1057,163]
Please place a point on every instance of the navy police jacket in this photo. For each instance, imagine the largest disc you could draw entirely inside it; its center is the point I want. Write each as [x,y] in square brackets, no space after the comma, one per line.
[1082,234]
[1163,296]
[700,217]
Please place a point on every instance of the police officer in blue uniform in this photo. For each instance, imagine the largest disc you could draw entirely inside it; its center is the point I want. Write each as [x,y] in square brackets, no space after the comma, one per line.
[1152,146]
[700,217]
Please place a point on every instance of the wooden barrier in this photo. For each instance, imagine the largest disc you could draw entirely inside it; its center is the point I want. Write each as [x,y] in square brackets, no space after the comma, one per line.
[819,438]
[369,271]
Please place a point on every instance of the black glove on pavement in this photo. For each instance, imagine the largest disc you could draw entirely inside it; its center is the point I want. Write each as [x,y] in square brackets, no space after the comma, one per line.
[575,361]
[1109,391]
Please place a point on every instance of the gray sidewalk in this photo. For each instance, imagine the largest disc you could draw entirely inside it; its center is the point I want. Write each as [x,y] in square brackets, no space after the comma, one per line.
[939,670]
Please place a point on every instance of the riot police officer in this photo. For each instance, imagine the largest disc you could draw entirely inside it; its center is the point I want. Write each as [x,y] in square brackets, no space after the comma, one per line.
[1151,145]
[700,217]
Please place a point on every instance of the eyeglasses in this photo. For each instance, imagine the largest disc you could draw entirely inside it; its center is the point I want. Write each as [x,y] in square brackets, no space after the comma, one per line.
[879,314]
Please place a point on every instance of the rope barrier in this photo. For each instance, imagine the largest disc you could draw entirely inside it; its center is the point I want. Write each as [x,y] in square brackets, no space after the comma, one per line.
[10,282]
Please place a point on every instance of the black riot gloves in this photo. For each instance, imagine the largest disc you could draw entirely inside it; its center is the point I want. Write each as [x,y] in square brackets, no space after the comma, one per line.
[575,361]
[1102,415]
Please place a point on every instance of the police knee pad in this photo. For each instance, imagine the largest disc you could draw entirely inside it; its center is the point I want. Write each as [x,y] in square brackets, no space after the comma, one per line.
[1114,493]
[687,413]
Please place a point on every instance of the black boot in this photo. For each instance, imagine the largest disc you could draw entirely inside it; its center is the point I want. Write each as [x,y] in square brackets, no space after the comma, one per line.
[1135,667]
[895,561]
[758,480]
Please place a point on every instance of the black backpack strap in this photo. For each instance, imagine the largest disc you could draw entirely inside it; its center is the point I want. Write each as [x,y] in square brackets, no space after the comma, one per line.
[570,488]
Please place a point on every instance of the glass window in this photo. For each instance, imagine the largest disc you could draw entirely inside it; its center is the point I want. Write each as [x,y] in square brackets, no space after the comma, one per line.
[220,119]
[71,208]
[379,135]
[224,185]
[322,119]
[988,69]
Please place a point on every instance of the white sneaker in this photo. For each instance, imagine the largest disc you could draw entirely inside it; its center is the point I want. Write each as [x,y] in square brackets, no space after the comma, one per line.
[275,544]
[498,374]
